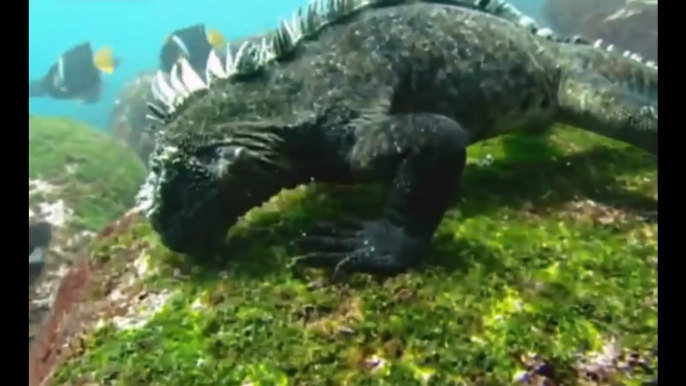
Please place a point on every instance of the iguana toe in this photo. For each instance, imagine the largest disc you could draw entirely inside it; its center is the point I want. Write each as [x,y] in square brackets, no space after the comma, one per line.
[375,247]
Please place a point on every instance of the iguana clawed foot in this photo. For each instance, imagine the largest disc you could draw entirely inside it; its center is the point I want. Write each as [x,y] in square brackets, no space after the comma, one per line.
[376,247]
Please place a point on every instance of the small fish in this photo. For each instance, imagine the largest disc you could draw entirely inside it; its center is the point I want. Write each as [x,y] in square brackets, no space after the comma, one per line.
[192,43]
[76,74]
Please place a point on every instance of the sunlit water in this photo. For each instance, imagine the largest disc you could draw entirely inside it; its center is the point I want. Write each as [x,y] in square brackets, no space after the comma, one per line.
[136,29]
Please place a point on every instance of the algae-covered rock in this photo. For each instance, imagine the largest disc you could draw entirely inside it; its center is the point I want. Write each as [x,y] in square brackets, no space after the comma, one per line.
[628,24]
[79,180]
[80,172]
[552,281]
[128,120]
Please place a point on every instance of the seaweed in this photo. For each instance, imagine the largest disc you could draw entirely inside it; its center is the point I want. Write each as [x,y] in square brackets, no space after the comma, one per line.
[95,175]
[549,253]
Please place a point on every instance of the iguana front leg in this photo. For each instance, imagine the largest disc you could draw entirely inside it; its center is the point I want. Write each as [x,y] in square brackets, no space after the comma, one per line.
[423,155]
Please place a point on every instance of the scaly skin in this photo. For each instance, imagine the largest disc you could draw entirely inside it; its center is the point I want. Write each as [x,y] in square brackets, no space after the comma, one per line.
[391,95]
[607,94]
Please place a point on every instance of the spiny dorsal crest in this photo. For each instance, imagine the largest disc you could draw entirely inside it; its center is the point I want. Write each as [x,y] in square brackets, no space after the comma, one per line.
[172,90]
[628,54]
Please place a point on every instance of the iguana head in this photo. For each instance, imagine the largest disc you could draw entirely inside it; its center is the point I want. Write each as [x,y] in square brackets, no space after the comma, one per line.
[205,171]
[198,189]
[184,195]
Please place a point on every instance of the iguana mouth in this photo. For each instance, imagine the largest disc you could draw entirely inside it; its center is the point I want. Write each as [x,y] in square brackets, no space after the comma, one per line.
[198,195]
[198,234]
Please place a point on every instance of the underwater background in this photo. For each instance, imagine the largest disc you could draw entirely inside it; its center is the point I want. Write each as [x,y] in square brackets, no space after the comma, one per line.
[136,30]
[543,270]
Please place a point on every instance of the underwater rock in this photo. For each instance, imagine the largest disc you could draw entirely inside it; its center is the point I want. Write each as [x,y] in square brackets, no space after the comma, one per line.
[79,175]
[71,306]
[628,24]
[128,118]
[79,179]
[510,272]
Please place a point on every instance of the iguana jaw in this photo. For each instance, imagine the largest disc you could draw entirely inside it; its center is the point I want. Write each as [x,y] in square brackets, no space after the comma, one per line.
[198,233]
[181,198]
[195,193]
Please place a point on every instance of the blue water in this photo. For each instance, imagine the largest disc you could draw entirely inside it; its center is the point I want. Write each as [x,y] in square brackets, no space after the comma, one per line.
[136,29]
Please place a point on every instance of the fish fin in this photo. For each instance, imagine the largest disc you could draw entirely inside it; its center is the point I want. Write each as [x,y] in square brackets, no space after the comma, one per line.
[86,101]
[37,88]
[216,39]
[104,60]
[91,96]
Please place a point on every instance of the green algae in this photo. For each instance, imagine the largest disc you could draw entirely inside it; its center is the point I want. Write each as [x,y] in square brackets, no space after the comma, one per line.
[104,177]
[547,252]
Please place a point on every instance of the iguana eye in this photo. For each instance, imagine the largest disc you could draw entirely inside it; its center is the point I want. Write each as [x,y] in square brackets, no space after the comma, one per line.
[230,153]
[219,160]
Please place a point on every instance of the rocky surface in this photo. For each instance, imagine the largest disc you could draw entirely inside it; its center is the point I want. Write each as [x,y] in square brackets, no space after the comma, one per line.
[552,282]
[65,246]
[628,24]
[128,118]
[67,315]
[79,179]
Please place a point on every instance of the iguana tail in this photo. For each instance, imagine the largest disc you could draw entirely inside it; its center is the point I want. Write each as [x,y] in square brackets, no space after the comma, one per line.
[610,94]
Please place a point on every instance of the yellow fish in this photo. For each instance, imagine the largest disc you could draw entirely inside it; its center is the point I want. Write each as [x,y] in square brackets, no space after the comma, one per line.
[216,39]
[104,60]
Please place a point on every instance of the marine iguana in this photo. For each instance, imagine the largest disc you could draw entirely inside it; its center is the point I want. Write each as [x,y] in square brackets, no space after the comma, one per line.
[355,91]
